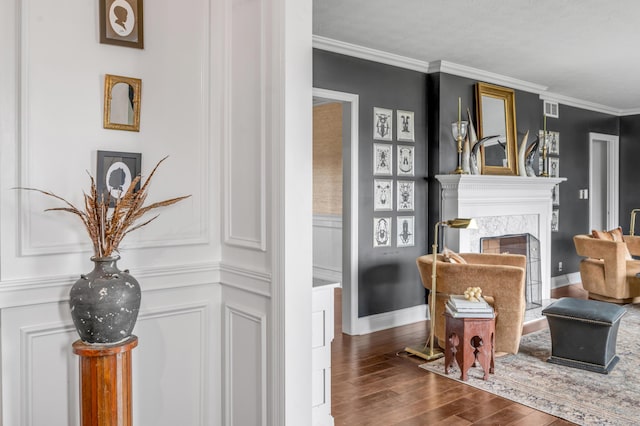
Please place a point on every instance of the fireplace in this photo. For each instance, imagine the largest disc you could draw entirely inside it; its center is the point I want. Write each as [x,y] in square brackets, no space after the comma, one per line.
[527,245]
[501,205]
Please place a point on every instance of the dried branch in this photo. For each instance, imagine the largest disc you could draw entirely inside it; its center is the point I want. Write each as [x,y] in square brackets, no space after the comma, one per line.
[107,227]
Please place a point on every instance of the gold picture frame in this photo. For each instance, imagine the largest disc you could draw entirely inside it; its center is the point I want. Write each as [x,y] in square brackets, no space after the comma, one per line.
[122,103]
[496,107]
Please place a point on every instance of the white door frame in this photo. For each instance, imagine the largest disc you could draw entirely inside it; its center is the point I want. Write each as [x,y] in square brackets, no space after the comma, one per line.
[613,160]
[349,270]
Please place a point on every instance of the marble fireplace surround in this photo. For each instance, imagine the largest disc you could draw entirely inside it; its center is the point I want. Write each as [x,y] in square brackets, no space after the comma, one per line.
[502,205]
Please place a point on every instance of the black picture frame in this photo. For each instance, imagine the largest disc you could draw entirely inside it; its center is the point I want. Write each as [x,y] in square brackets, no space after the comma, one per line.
[121,23]
[117,168]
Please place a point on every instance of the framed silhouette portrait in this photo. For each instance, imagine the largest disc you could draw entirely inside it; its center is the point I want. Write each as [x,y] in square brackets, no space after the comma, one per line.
[115,173]
[121,23]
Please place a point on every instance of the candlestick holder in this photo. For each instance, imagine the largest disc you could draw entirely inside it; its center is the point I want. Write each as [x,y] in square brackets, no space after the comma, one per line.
[545,159]
[459,132]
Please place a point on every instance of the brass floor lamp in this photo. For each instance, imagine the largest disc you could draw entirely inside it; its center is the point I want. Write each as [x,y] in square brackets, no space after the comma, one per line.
[432,354]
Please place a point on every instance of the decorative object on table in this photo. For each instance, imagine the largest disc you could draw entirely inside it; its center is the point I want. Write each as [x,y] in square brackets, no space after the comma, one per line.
[382,194]
[458,306]
[382,159]
[406,128]
[115,171]
[432,353]
[122,103]
[381,232]
[405,195]
[105,302]
[473,294]
[382,124]
[405,161]
[522,171]
[459,132]
[405,226]
[121,23]
[466,156]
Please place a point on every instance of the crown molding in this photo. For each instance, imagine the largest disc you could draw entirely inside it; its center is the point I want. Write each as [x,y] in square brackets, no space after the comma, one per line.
[486,76]
[579,103]
[336,46]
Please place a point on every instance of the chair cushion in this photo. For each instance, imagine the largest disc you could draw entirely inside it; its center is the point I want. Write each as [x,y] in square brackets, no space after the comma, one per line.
[452,257]
[612,235]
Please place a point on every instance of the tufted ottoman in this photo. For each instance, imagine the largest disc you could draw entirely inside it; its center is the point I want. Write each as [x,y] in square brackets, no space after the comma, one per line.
[584,333]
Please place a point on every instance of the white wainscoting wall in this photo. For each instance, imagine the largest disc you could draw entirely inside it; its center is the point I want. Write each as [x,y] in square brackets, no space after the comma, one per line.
[327,247]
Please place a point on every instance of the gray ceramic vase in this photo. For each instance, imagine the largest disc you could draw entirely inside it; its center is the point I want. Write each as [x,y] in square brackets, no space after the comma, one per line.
[105,303]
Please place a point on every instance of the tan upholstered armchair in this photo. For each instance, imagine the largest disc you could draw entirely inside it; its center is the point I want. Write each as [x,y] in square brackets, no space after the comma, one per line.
[607,273]
[500,276]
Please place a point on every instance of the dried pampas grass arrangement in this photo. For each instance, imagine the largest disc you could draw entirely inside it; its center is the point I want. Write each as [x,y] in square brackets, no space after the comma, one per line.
[108,227]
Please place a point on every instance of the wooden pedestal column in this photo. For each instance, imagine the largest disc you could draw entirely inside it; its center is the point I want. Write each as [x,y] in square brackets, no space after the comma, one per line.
[105,383]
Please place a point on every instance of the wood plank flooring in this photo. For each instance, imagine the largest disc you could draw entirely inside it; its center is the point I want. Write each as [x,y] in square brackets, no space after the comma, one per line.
[375,383]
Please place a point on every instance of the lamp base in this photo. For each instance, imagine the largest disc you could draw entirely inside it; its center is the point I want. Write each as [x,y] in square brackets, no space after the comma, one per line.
[425,353]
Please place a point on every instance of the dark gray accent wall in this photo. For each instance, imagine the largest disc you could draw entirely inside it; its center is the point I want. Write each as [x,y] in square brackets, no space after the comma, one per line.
[388,277]
[629,170]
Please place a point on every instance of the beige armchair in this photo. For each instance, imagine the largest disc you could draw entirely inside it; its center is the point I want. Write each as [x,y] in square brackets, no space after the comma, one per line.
[606,271]
[501,278]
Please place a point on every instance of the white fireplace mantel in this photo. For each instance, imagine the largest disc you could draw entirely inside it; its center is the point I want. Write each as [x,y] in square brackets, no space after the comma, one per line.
[504,205]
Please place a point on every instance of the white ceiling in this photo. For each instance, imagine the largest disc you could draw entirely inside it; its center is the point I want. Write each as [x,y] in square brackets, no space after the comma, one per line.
[586,50]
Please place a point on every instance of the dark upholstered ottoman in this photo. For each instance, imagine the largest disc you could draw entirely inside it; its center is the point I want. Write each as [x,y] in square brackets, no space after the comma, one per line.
[584,333]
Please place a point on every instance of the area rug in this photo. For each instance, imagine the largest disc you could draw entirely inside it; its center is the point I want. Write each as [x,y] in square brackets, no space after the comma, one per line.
[575,395]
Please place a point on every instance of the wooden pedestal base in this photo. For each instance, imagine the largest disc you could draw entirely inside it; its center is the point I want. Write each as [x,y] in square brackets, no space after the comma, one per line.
[470,340]
[105,383]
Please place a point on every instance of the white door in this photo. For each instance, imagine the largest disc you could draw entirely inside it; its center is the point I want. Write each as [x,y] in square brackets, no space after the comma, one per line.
[603,181]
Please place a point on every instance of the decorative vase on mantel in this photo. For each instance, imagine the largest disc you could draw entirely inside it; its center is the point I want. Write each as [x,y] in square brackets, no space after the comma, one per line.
[105,303]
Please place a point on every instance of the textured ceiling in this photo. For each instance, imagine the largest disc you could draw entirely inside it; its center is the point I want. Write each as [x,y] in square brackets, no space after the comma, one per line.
[586,50]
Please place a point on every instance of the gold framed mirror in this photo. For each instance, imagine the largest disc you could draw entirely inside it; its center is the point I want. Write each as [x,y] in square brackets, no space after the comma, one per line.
[496,107]
[122,103]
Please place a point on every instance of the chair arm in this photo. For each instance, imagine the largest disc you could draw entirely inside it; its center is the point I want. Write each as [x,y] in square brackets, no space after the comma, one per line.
[496,259]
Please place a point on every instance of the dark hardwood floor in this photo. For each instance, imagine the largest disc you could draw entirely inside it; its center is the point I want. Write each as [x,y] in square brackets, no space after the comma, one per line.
[374,382]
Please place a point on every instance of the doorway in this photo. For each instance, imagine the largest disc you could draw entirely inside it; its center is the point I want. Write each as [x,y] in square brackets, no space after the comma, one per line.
[349,208]
[603,181]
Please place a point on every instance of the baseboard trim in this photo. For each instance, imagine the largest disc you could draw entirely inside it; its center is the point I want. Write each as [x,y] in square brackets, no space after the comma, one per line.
[383,321]
[327,274]
[565,280]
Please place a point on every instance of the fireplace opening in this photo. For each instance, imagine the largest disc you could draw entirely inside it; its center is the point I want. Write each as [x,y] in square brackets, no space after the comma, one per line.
[527,245]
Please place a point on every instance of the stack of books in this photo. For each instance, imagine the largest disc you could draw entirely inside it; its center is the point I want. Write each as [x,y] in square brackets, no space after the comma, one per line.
[459,307]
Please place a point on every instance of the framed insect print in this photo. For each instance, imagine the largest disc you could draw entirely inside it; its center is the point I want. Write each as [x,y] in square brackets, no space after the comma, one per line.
[405,227]
[382,159]
[382,124]
[121,23]
[405,126]
[382,194]
[405,195]
[405,160]
[382,232]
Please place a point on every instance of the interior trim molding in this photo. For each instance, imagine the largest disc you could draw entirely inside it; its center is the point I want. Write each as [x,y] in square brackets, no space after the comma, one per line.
[258,349]
[336,46]
[385,320]
[566,279]
[55,288]
[258,283]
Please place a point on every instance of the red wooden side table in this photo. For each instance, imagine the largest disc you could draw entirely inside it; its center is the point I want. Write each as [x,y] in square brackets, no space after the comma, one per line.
[470,340]
[105,383]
